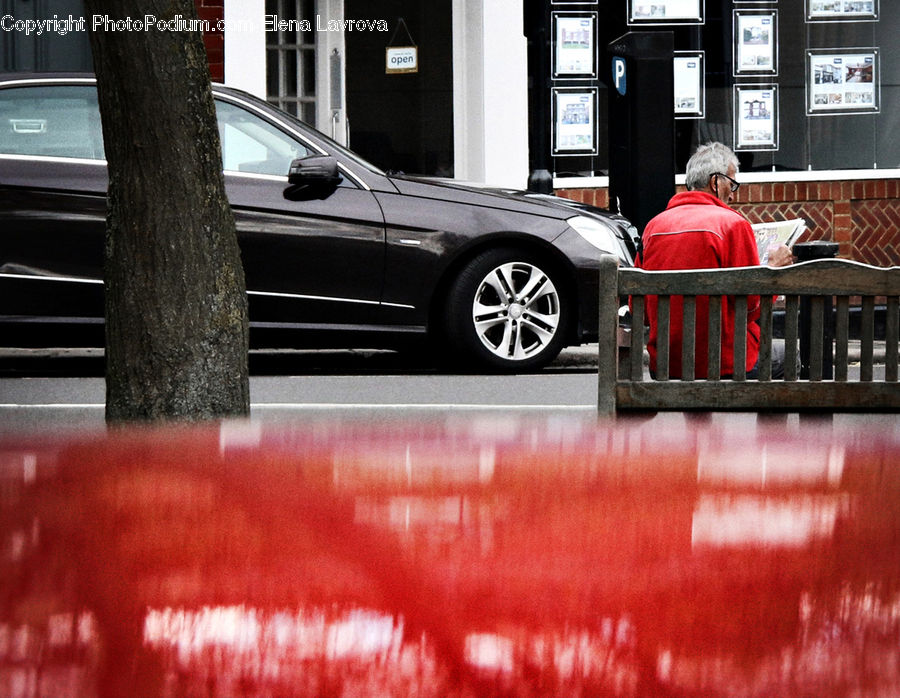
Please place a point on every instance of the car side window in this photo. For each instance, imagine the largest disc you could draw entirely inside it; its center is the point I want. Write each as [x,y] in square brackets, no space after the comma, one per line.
[250,144]
[53,121]
[64,121]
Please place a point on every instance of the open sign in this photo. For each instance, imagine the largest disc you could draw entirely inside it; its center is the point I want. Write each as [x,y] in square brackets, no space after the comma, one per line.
[402,59]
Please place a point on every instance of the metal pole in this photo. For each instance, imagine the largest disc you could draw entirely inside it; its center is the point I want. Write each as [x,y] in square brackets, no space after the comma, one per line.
[536,21]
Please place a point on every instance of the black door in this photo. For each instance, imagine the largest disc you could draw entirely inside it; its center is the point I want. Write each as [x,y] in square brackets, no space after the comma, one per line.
[309,262]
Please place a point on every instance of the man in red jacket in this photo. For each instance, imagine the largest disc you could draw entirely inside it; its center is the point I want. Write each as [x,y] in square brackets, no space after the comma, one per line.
[698,230]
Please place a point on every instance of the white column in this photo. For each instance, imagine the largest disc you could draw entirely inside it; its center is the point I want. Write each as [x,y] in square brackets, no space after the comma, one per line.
[331,67]
[490,102]
[245,45]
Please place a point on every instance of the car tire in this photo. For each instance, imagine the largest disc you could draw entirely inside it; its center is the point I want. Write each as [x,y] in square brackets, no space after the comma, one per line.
[507,310]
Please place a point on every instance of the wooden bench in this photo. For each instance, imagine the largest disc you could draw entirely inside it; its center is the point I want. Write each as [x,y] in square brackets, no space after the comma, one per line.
[824,284]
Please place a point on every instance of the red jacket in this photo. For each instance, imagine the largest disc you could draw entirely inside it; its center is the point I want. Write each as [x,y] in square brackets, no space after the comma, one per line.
[699,231]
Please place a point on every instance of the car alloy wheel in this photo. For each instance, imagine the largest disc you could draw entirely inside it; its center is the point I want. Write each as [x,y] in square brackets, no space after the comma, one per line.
[516,311]
[510,310]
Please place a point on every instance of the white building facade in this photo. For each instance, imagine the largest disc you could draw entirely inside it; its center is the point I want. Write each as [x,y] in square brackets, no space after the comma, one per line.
[486,66]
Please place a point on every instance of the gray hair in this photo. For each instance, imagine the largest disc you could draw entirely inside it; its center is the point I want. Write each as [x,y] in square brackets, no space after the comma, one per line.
[709,159]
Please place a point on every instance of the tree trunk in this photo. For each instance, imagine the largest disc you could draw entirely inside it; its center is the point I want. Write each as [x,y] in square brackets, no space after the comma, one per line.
[176,307]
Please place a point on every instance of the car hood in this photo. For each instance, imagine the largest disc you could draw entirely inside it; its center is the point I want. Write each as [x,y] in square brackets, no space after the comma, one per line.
[515,200]
[496,197]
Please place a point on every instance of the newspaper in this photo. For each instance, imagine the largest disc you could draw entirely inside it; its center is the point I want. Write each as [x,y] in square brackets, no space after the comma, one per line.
[775,234]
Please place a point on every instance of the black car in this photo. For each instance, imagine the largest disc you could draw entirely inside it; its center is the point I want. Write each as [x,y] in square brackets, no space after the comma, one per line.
[502,279]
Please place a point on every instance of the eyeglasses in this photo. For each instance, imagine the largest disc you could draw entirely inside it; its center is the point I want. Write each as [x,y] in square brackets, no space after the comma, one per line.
[734,184]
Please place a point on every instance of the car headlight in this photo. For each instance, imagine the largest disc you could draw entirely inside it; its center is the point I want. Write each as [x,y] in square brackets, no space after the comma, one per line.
[595,232]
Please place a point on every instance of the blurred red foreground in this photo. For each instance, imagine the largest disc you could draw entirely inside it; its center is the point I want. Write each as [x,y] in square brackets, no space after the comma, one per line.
[452,558]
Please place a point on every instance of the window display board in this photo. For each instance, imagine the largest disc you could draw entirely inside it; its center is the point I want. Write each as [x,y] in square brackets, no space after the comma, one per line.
[755,42]
[690,80]
[665,11]
[574,47]
[842,10]
[756,109]
[842,81]
[574,121]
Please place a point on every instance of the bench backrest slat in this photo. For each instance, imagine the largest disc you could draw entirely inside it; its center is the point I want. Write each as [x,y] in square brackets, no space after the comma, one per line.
[637,340]
[714,346]
[688,339]
[791,337]
[867,349]
[816,337]
[841,338]
[662,344]
[739,349]
[765,335]
[891,332]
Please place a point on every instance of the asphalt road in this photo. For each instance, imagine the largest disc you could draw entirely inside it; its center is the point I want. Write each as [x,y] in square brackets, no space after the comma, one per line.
[56,389]
[89,362]
[65,389]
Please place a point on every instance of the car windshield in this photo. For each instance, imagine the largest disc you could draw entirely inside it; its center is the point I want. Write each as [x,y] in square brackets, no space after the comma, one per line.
[349,154]
[331,145]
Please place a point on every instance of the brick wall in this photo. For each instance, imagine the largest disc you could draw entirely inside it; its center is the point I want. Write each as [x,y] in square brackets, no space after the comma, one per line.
[862,216]
[213,11]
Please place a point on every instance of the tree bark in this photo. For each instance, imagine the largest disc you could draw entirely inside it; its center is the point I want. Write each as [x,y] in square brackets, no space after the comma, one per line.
[176,305]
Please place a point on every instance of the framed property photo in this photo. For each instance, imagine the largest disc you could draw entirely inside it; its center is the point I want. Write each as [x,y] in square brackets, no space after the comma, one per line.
[842,10]
[756,117]
[690,87]
[574,45]
[843,81]
[665,12]
[755,42]
[574,121]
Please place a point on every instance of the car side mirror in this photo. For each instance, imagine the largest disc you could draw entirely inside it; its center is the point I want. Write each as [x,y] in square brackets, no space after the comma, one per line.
[314,170]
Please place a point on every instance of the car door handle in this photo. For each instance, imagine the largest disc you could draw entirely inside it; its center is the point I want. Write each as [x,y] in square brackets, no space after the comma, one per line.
[28,125]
